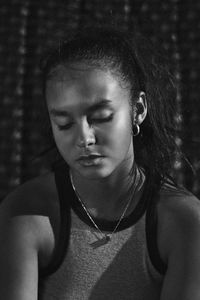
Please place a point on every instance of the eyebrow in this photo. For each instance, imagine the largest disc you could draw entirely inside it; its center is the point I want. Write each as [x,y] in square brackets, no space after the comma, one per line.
[63,113]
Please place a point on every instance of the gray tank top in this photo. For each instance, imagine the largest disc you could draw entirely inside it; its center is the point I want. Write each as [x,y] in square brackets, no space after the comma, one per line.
[119,270]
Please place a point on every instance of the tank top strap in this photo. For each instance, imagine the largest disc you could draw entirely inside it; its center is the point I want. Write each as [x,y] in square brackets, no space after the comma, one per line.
[60,173]
[151,225]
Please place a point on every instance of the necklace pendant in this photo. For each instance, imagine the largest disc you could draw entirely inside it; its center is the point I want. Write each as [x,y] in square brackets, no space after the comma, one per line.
[100,242]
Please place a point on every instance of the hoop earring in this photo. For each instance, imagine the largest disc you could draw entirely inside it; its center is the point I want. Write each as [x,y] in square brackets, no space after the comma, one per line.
[136,129]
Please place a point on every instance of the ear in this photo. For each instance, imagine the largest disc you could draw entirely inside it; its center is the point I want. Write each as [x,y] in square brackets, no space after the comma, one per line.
[140,109]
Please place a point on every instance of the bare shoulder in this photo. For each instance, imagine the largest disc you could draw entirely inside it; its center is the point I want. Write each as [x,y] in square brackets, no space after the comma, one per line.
[178,202]
[179,205]
[31,213]
[34,196]
[178,218]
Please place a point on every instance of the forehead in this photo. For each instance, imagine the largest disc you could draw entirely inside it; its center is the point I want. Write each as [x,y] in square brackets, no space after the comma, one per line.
[84,85]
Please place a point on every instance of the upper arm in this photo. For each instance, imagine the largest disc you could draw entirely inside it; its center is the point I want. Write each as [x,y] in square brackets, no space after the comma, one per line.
[182,243]
[18,260]
[26,240]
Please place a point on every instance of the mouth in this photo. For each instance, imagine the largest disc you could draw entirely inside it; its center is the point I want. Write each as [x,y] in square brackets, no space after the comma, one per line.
[90,160]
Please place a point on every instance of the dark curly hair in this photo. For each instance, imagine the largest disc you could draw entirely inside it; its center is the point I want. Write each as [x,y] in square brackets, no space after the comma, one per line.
[136,60]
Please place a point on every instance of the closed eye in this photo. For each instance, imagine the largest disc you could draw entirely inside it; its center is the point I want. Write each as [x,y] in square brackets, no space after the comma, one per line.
[97,117]
[65,126]
[101,116]
[102,119]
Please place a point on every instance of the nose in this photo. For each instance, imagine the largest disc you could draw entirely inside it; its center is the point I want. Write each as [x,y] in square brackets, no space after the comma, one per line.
[86,136]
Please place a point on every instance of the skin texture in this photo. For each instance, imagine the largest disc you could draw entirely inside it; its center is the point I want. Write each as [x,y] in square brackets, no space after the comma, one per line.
[75,94]
[89,110]
[30,219]
[179,245]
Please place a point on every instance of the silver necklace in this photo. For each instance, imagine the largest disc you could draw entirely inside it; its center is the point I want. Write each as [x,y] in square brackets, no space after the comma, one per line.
[105,237]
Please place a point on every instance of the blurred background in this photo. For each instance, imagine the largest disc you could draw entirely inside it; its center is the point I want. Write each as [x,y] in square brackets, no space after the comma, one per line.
[28,27]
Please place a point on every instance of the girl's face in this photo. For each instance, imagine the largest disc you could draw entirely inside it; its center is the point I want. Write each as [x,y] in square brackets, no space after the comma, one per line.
[89,110]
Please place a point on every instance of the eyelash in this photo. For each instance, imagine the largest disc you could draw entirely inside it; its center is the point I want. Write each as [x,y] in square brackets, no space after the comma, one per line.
[65,127]
[95,120]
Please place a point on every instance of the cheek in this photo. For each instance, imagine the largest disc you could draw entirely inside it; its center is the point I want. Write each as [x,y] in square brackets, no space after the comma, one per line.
[119,134]
[63,143]
[122,136]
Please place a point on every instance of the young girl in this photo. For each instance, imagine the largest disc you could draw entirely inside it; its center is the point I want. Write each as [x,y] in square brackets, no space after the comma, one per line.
[107,221]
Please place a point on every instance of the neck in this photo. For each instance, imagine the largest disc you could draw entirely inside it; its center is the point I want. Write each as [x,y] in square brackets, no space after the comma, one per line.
[107,197]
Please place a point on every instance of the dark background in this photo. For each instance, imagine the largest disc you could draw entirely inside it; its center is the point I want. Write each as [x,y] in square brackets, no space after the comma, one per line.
[28,27]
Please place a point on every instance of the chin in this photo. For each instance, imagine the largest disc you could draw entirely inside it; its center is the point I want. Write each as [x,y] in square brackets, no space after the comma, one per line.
[95,173]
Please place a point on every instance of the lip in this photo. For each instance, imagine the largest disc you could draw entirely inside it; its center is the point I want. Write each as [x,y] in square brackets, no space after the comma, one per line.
[90,160]
[89,156]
